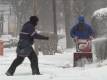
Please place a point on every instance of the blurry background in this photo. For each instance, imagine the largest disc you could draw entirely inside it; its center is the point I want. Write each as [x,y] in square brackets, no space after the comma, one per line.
[56,19]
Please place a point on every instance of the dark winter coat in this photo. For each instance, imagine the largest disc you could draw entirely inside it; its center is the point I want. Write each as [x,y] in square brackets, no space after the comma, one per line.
[27,36]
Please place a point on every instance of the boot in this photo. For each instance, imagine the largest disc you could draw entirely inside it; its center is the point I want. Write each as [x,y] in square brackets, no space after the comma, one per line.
[35,70]
[35,73]
[9,73]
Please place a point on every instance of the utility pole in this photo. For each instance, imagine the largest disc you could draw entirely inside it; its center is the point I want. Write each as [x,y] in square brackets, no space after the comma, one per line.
[55,24]
[54,17]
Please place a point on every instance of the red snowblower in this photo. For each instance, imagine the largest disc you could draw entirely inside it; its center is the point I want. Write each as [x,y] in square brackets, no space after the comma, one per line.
[83,54]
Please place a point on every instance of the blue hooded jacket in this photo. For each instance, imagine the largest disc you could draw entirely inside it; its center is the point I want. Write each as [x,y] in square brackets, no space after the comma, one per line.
[82,30]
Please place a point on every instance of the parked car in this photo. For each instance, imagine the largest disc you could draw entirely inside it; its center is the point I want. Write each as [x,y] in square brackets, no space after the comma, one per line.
[8,40]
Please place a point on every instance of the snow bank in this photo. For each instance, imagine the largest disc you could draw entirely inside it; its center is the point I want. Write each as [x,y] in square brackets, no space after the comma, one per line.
[100,47]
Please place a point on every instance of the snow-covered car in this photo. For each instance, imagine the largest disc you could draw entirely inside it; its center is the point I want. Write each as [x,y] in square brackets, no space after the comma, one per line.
[14,41]
[8,40]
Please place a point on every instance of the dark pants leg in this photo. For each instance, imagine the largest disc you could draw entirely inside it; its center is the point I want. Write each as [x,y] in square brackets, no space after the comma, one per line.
[34,63]
[15,63]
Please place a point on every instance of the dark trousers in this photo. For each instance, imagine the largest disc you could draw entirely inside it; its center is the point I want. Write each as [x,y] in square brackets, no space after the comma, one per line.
[34,63]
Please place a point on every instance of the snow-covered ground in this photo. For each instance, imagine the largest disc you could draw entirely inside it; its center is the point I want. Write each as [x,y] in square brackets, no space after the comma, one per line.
[53,67]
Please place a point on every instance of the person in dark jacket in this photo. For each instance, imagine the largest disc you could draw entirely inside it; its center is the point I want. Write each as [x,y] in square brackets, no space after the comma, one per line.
[82,30]
[27,36]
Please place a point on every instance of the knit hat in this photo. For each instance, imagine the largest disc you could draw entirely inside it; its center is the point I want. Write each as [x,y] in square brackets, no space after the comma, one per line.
[81,18]
[34,19]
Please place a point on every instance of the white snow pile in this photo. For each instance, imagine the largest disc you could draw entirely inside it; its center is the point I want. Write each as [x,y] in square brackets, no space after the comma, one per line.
[100,47]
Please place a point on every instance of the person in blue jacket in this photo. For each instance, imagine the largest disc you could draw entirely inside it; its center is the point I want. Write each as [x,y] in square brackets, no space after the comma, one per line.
[26,40]
[82,30]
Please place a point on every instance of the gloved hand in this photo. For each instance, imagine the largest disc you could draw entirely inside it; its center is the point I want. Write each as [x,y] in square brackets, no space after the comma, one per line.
[75,39]
[46,38]
[91,37]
